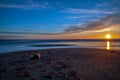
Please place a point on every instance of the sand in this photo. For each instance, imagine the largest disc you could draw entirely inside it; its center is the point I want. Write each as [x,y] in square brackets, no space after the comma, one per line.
[61,64]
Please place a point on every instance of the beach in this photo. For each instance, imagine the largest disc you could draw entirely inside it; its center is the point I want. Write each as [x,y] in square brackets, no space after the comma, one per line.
[61,64]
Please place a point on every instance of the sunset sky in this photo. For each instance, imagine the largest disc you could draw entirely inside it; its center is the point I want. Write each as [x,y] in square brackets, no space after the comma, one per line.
[59,19]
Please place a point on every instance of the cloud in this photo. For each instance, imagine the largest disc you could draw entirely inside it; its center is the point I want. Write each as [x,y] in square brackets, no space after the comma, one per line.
[27,33]
[77,27]
[109,23]
[76,17]
[29,5]
[78,11]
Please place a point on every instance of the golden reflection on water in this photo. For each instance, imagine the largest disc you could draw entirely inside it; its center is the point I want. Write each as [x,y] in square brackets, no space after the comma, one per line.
[108,45]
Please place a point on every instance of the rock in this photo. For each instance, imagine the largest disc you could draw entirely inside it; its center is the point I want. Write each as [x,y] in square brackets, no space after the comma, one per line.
[37,56]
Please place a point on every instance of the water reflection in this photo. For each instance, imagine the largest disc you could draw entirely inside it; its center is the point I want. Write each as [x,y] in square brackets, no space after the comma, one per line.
[108,45]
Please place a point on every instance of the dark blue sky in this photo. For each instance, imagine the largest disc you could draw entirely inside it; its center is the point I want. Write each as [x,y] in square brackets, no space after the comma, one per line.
[51,16]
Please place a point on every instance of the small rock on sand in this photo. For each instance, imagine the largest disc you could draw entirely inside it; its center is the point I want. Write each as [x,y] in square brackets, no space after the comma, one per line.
[36,56]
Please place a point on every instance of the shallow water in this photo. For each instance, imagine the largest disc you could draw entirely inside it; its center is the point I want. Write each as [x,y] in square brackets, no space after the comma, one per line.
[21,45]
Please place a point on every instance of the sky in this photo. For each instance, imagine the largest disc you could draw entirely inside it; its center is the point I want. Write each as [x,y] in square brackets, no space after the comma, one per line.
[59,19]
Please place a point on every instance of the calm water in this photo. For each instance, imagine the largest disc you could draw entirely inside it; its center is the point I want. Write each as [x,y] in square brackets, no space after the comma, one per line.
[20,45]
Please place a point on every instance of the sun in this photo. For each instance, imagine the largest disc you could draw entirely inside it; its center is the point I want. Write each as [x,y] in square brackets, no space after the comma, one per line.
[108,36]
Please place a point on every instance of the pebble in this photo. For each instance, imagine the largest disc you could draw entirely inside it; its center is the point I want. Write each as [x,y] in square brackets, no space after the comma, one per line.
[36,56]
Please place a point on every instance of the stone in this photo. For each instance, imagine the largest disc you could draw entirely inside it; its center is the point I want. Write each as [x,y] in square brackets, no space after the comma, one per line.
[36,56]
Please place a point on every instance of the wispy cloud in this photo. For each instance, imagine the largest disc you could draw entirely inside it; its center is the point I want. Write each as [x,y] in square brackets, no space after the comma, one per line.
[27,33]
[78,11]
[29,5]
[75,17]
[109,23]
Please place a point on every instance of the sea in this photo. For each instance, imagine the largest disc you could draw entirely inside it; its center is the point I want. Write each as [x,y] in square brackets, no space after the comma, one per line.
[22,45]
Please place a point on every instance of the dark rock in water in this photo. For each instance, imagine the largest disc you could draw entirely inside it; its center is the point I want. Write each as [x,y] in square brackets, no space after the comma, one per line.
[37,56]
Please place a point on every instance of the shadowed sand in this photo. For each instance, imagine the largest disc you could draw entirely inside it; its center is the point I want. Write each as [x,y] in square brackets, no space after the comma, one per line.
[61,64]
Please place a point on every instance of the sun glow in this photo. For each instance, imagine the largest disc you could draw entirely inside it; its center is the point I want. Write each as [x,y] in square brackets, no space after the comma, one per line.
[108,45]
[108,36]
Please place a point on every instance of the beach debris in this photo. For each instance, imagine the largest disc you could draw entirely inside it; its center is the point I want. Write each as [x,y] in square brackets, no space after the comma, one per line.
[36,56]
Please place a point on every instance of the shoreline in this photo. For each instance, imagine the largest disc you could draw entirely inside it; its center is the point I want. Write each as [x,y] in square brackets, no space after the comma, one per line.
[59,64]
[37,50]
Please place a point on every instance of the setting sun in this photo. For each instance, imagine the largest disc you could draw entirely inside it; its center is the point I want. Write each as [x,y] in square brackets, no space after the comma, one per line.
[108,36]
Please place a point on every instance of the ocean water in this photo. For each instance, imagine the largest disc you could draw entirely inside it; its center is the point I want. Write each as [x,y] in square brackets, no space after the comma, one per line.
[21,45]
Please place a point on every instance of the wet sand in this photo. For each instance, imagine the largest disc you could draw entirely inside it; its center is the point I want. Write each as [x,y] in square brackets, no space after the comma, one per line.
[49,45]
[61,64]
